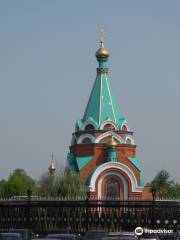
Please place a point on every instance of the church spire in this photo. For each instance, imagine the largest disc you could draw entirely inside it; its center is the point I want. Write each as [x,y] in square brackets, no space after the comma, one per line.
[102,106]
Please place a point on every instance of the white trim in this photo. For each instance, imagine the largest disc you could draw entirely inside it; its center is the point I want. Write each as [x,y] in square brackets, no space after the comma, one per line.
[100,99]
[125,124]
[118,166]
[87,135]
[87,123]
[110,97]
[108,122]
[109,133]
[130,138]
[123,179]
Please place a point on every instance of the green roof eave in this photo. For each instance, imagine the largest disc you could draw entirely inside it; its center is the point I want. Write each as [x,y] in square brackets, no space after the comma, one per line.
[135,162]
[83,161]
[141,179]
[71,162]
[79,124]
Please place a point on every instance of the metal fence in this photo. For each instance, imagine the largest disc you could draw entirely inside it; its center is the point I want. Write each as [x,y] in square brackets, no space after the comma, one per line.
[81,215]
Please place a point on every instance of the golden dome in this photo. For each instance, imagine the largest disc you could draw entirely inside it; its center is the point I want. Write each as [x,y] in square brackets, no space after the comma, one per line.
[112,143]
[52,168]
[102,52]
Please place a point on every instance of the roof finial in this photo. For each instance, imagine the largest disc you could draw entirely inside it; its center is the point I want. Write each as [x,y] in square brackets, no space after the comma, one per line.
[102,52]
[52,167]
[52,156]
[102,35]
[112,143]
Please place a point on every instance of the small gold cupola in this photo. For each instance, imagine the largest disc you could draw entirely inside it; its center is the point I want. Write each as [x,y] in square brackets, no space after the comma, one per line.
[112,143]
[102,52]
[52,167]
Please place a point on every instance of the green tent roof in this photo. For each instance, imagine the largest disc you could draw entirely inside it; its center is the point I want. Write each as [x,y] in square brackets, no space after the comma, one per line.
[102,105]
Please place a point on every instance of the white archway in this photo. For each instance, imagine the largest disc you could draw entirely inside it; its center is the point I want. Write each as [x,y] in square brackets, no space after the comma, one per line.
[108,122]
[118,166]
[129,138]
[89,122]
[125,124]
[82,137]
[107,134]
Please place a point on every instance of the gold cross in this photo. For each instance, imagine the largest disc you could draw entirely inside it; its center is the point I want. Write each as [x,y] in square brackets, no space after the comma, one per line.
[102,35]
[52,156]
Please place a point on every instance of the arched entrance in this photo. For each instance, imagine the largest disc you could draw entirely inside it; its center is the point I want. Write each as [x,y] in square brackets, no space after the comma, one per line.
[112,187]
[114,179]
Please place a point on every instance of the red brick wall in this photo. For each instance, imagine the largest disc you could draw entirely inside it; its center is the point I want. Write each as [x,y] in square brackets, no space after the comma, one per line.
[98,150]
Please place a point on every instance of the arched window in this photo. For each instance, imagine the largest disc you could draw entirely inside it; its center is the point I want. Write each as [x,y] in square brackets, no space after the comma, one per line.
[108,127]
[124,128]
[89,127]
[112,189]
[86,140]
[128,141]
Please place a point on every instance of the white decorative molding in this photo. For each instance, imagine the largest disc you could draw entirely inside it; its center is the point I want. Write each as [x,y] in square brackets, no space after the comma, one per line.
[108,122]
[107,134]
[125,124]
[89,122]
[87,135]
[118,166]
[100,107]
[129,137]
[110,98]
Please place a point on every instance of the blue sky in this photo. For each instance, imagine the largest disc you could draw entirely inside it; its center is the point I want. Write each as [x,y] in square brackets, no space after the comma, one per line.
[47,69]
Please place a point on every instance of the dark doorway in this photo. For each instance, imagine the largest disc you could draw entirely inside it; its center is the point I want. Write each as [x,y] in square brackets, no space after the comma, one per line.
[112,188]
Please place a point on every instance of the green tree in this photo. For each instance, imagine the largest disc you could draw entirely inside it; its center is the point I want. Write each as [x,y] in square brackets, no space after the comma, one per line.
[163,185]
[71,186]
[62,184]
[2,188]
[176,190]
[18,183]
[48,185]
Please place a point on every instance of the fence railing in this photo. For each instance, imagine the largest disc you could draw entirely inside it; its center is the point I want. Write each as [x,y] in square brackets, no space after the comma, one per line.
[82,215]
